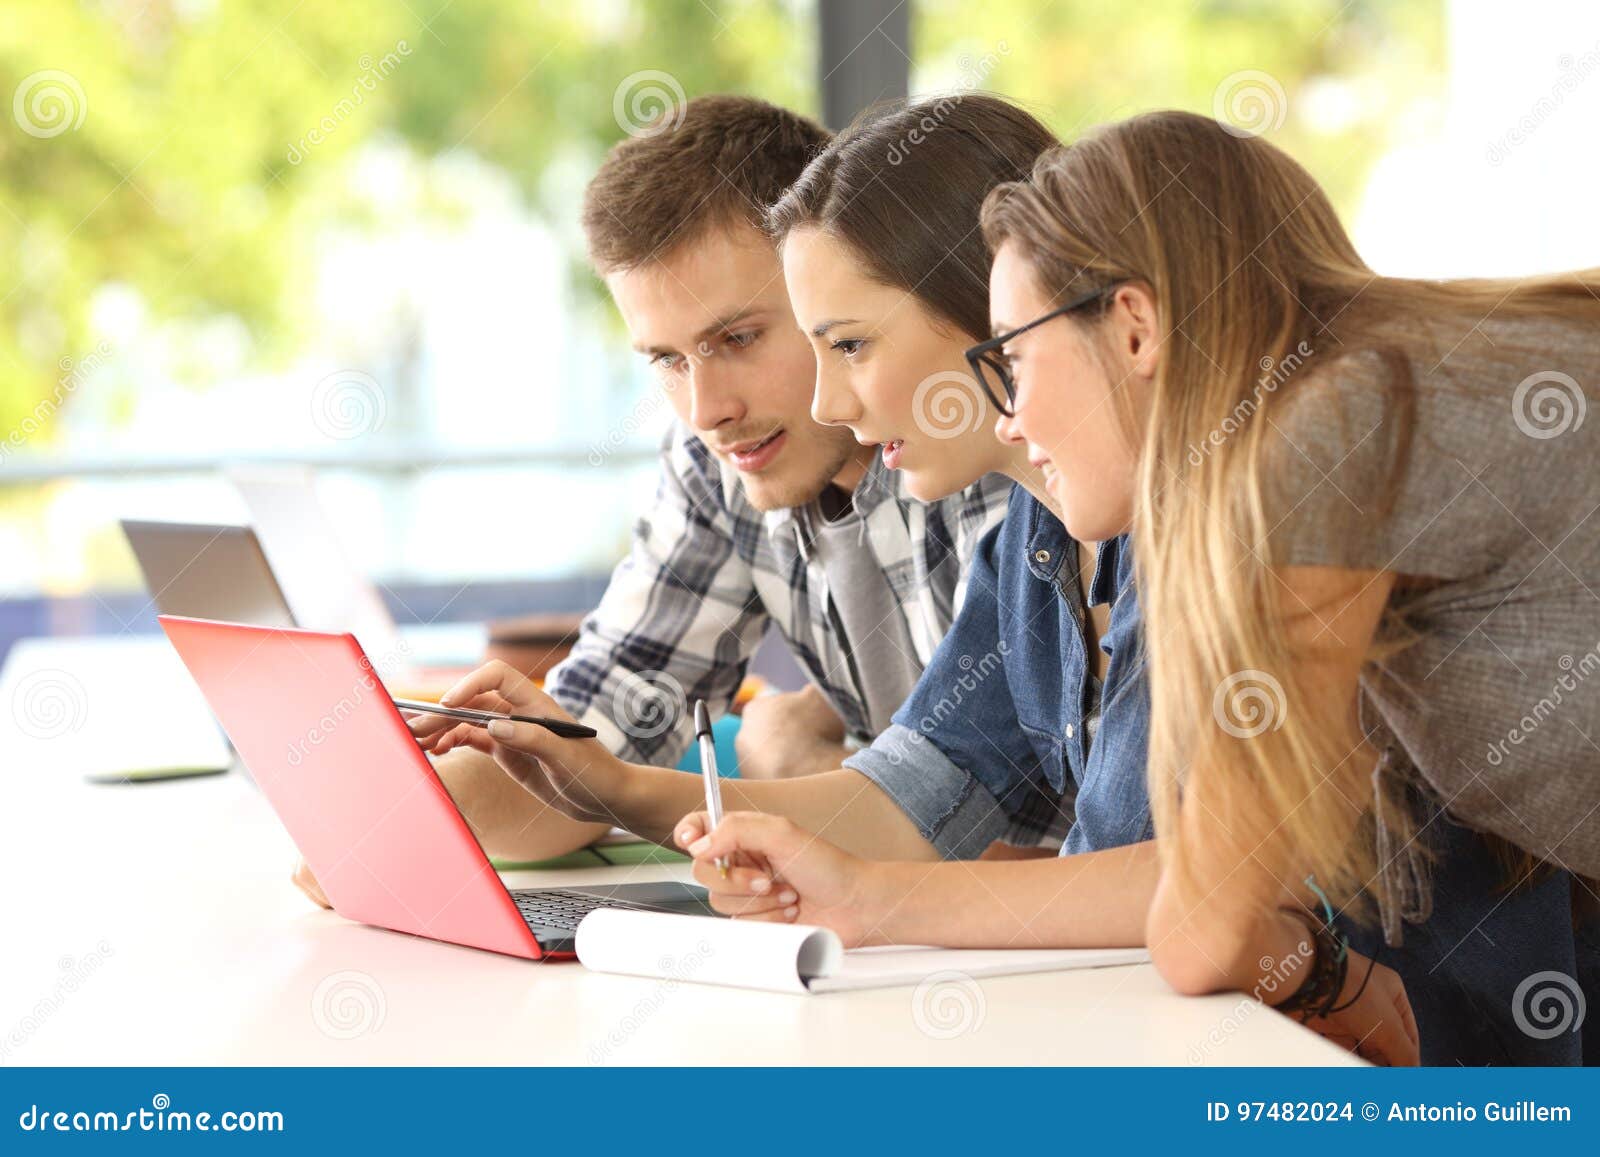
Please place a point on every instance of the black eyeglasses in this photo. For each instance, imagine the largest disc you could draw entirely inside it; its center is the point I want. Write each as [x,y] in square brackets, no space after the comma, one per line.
[989,366]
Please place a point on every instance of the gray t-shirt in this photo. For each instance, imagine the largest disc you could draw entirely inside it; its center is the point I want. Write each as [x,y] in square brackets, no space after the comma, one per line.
[1496,703]
[882,661]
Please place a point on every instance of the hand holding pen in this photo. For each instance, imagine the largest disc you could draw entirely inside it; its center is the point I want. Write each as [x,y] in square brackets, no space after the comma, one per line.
[708,773]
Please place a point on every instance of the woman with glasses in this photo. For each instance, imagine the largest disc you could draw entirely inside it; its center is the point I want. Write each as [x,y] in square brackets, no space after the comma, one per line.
[1364,514]
[1377,494]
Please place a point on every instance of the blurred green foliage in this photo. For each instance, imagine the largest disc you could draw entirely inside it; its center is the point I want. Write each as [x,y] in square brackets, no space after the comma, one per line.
[165,145]
[191,179]
[1335,74]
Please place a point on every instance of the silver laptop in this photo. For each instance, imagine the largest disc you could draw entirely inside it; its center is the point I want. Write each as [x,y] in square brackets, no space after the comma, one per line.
[202,571]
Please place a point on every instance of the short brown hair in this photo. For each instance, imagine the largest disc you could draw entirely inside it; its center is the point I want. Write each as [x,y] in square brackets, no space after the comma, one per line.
[903,187]
[713,161]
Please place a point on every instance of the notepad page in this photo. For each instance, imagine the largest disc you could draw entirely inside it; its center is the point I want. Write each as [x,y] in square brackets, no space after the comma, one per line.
[706,949]
[796,958]
[891,967]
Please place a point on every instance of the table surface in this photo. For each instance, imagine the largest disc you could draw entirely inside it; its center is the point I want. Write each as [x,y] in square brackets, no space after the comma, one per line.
[155,924]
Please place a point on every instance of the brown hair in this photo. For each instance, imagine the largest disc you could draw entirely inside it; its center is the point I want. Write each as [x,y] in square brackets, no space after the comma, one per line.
[902,186]
[713,161]
[1243,254]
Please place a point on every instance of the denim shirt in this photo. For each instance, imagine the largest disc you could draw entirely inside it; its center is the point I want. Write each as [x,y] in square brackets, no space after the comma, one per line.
[993,742]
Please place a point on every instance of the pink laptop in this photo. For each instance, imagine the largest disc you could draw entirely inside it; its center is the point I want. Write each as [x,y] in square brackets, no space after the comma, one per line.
[317,731]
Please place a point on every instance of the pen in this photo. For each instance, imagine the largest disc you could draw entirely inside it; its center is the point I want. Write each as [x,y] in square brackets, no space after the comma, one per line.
[558,726]
[708,773]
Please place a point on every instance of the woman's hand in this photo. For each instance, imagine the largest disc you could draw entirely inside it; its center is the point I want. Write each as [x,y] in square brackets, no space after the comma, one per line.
[578,777]
[1378,1026]
[1192,949]
[778,871]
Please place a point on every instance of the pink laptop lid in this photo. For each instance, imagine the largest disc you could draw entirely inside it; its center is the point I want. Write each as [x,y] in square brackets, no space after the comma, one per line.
[315,726]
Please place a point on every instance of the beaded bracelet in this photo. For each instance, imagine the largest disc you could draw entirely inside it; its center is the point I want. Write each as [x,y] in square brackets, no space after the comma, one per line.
[1330,964]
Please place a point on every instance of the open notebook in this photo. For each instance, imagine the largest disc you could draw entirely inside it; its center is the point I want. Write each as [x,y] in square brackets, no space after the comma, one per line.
[797,957]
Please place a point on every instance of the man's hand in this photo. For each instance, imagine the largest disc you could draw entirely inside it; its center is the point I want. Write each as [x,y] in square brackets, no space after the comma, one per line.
[307,883]
[577,777]
[788,734]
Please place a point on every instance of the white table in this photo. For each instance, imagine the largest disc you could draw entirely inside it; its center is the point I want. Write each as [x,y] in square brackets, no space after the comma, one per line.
[155,924]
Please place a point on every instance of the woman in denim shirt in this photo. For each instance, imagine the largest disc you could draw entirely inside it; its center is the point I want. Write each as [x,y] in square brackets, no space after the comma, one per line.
[891,314]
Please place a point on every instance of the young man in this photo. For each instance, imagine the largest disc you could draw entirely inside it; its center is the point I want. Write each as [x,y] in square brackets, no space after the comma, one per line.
[762,516]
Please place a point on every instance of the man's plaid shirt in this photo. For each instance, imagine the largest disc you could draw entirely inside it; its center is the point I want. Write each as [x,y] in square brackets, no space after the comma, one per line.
[707,573]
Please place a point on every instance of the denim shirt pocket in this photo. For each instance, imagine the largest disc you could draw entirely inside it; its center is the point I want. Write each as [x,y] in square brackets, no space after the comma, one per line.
[1123,730]
[1051,749]
[1114,796]
[1041,712]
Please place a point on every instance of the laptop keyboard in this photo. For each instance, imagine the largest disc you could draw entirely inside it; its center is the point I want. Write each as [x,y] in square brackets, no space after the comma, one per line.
[560,909]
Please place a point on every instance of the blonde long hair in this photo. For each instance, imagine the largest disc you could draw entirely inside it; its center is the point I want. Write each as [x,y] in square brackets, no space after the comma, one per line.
[1245,257]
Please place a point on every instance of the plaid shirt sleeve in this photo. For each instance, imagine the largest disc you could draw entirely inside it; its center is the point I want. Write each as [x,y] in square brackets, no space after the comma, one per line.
[678,622]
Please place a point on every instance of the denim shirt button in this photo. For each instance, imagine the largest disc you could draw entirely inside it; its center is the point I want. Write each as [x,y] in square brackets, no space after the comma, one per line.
[1041,556]
[1069,731]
